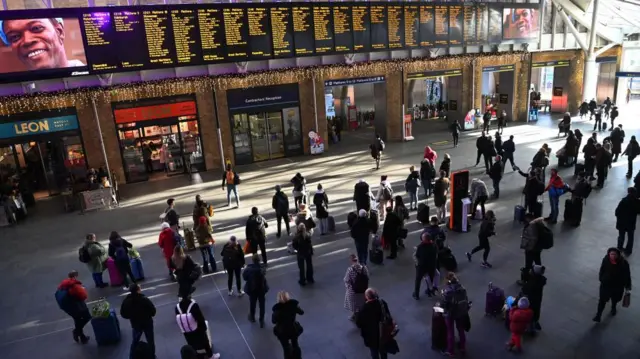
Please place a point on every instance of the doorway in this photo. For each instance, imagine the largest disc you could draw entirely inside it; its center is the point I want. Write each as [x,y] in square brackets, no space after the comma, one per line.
[266,135]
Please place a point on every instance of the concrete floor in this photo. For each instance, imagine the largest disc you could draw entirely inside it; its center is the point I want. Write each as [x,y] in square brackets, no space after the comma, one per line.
[36,255]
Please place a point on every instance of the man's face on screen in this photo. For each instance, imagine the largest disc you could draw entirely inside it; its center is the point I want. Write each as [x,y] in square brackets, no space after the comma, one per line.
[38,43]
[522,21]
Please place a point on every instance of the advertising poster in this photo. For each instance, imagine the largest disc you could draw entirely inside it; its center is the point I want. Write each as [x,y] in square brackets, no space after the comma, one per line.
[521,23]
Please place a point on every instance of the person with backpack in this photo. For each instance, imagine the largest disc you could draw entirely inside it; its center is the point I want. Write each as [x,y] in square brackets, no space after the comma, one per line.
[167,241]
[194,326]
[427,174]
[321,201]
[377,147]
[632,151]
[456,308]
[411,185]
[187,270]
[232,180]
[280,204]
[171,216]
[615,282]
[71,297]
[255,231]
[139,310]
[95,256]
[487,229]
[530,244]
[119,251]
[384,196]
[256,287]
[356,282]
[233,261]
[627,213]
[556,188]
[304,253]
[425,259]
[286,328]
[360,232]
[205,245]
[299,190]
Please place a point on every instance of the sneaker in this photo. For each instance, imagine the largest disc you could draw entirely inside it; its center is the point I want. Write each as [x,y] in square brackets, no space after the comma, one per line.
[487,265]
[469,256]
[231,293]
[240,293]
[215,356]
[597,319]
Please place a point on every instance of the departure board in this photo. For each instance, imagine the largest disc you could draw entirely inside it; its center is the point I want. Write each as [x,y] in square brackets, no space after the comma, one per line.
[323,29]
[469,34]
[157,27]
[186,36]
[282,31]
[482,23]
[99,37]
[361,28]
[303,31]
[456,19]
[259,32]
[411,26]
[427,26]
[395,24]
[130,39]
[441,16]
[212,39]
[236,33]
[342,28]
[495,24]
[378,19]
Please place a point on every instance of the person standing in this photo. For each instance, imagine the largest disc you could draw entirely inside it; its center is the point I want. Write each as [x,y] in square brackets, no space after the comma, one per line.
[299,190]
[502,121]
[71,297]
[520,317]
[187,271]
[280,203]
[486,121]
[533,188]
[603,162]
[440,190]
[487,229]
[97,259]
[384,196]
[232,180]
[362,196]
[401,211]
[598,120]
[411,185]
[360,232]
[233,261]
[508,149]
[119,251]
[286,328]
[369,319]
[626,215]
[171,216]
[201,209]
[556,188]
[146,156]
[590,152]
[529,242]
[584,109]
[479,195]
[167,242]
[495,173]
[321,201]
[427,174]
[617,138]
[425,259]
[139,310]
[376,150]
[205,245]
[194,327]
[592,108]
[356,282]
[304,252]
[497,144]
[390,230]
[614,115]
[256,287]
[632,151]
[615,281]
[456,309]
[533,289]
[481,143]
[455,129]
[489,152]
[256,233]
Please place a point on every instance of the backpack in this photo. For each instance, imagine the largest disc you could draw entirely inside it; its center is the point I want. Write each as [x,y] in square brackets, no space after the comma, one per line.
[257,283]
[360,281]
[459,303]
[83,255]
[121,253]
[387,193]
[282,203]
[381,144]
[65,300]
[186,321]
[545,237]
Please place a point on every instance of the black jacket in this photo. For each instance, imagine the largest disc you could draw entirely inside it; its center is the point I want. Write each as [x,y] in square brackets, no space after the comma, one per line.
[298,183]
[539,159]
[627,213]
[280,203]
[446,166]
[139,310]
[533,187]
[321,201]
[581,189]
[284,318]
[603,158]
[508,146]
[455,128]
[255,228]
[495,172]
[571,147]
[411,184]
[497,143]
[592,105]
[489,149]
[255,280]
[426,255]
[614,114]
[615,275]
[172,217]
[232,256]
[198,338]
[481,143]
[633,149]
[302,244]
[589,151]
[487,229]
[361,195]
[113,245]
[188,268]
[368,321]
[391,227]
[361,230]
[427,171]
[533,289]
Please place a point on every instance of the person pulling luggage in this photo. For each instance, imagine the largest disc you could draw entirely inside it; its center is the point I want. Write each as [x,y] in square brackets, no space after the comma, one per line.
[71,297]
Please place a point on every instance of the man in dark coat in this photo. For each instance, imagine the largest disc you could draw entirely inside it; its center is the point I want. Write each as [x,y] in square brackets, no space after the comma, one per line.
[362,196]
[632,151]
[256,233]
[455,129]
[615,279]
[360,232]
[256,288]
[603,162]
[427,173]
[426,260]
[391,231]
[368,321]
[626,216]
[497,143]
[280,203]
[617,138]
[598,122]
[614,115]
[140,311]
[488,152]
[590,152]
[533,289]
[533,188]
[508,148]
[481,142]
[411,185]
[495,173]
[592,108]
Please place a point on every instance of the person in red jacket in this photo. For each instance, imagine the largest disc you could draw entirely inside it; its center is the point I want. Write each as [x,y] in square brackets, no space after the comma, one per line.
[167,242]
[71,297]
[519,319]
[556,188]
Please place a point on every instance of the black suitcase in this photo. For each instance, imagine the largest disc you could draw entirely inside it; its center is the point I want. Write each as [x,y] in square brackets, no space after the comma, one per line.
[573,212]
[537,209]
[423,213]
[438,332]
[376,256]
[447,260]
[351,218]
[578,168]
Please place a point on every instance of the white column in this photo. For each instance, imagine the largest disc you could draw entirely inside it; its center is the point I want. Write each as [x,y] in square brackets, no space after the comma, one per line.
[590,83]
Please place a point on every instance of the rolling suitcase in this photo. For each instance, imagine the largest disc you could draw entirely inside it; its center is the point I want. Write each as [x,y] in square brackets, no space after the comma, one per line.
[189,238]
[438,330]
[579,167]
[106,330]
[137,269]
[537,209]
[331,223]
[494,300]
[376,256]
[115,279]
[518,213]
[572,212]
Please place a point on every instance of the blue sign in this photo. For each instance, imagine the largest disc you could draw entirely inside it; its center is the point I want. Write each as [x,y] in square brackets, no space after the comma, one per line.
[250,99]
[627,74]
[356,81]
[38,127]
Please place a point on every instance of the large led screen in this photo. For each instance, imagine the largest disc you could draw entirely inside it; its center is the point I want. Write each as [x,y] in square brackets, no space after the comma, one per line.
[520,23]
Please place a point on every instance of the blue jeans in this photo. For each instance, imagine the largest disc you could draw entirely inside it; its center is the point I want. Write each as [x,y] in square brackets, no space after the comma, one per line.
[137,335]
[413,198]
[97,278]
[207,257]
[496,188]
[362,251]
[232,188]
[554,201]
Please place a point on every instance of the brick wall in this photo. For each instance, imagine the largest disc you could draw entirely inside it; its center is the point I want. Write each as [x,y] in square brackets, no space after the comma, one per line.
[576,64]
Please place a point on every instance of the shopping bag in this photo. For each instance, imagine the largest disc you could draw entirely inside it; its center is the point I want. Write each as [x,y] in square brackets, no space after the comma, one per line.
[626,300]
[247,247]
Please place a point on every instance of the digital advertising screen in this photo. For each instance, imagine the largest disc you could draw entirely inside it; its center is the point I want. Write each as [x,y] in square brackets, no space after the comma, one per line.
[520,23]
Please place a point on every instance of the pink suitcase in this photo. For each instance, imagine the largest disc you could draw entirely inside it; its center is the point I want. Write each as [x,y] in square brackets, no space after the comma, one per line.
[115,279]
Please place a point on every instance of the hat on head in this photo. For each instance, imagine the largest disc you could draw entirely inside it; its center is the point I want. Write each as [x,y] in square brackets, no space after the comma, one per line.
[165,225]
[523,303]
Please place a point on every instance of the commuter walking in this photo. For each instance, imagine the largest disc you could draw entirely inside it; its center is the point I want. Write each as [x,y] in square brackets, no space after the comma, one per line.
[233,261]
[304,252]
[614,115]
[280,203]
[632,151]
[119,251]
[139,310]
[487,229]
[321,201]
[362,195]
[426,259]
[495,173]
[356,282]
[95,256]
[256,287]
[481,143]
[167,241]
[617,138]
[187,270]
[376,150]
[286,328]
[502,121]
[508,149]
[489,152]
[455,129]
[232,180]
[627,213]
[299,190]
[401,211]
[615,281]
[171,216]
[592,108]
[598,120]
[71,297]
[255,231]
[445,165]
[411,185]
[373,317]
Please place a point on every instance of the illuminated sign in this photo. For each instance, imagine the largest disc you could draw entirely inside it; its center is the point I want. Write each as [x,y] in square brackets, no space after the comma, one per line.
[36,127]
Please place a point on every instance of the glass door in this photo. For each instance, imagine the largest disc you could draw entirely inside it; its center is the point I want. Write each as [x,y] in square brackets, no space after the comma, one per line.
[276,134]
[259,137]
[133,157]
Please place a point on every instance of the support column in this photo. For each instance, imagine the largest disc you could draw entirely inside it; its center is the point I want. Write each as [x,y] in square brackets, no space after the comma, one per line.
[590,66]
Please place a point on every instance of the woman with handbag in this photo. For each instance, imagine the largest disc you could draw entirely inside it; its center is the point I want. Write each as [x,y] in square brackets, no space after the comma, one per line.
[615,282]
[194,326]
[187,271]
[377,326]
[287,329]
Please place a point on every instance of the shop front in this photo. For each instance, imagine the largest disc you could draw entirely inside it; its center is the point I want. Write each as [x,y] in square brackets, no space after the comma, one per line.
[498,89]
[159,137]
[41,152]
[435,95]
[550,81]
[265,123]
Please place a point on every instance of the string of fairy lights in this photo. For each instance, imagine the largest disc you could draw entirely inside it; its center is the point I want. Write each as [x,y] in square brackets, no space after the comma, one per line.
[83,97]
